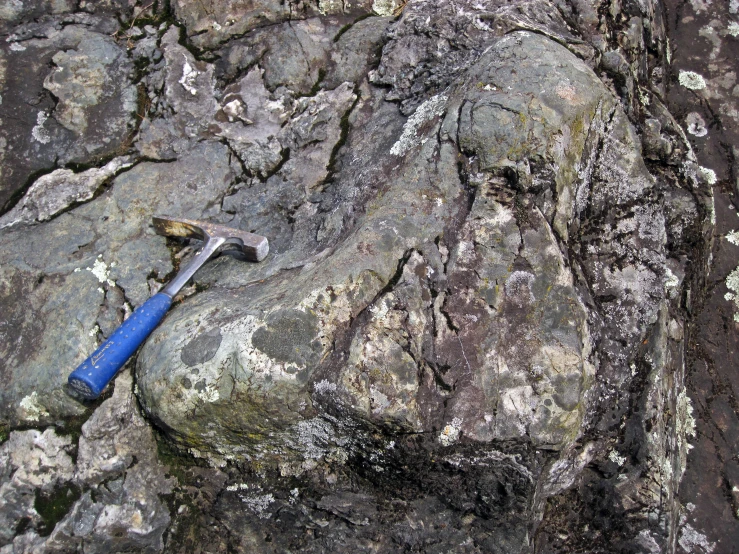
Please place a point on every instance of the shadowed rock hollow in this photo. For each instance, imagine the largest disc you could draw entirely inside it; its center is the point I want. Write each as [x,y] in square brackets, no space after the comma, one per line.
[479,274]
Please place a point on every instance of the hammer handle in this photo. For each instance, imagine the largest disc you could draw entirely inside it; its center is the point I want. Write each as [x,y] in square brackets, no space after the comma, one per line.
[92,375]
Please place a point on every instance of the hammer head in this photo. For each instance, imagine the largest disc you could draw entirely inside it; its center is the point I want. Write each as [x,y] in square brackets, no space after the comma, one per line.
[254,247]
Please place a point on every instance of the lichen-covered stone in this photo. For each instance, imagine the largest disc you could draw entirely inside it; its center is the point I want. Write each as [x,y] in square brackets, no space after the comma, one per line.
[116,458]
[496,332]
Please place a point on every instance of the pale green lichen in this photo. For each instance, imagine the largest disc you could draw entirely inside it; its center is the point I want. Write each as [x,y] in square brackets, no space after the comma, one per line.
[32,410]
[692,80]
[616,458]
[39,133]
[100,270]
[386,7]
[733,237]
[708,174]
[732,283]
[671,280]
[330,7]
[431,108]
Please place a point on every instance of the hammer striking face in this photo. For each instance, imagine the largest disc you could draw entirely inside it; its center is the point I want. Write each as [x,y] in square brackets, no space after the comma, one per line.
[254,247]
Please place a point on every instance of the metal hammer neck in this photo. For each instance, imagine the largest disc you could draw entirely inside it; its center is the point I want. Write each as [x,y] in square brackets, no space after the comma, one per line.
[210,247]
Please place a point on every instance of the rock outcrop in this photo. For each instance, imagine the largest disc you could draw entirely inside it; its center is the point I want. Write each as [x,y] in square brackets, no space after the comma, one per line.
[485,227]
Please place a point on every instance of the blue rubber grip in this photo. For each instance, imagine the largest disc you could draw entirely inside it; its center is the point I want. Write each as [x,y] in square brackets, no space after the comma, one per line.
[92,375]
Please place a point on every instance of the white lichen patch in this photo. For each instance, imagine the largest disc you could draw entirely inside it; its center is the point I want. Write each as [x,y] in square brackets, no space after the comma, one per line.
[733,29]
[685,422]
[519,287]
[31,410]
[733,237]
[450,433]
[433,107]
[237,487]
[39,133]
[732,283]
[701,5]
[100,270]
[258,504]
[696,124]
[319,438]
[671,280]
[490,458]
[693,541]
[616,458]
[709,175]
[379,311]
[189,74]
[386,7]
[691,80]
[330,7]
[324,387]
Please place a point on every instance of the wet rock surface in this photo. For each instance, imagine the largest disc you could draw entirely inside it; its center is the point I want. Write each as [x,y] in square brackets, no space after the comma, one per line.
[479,328]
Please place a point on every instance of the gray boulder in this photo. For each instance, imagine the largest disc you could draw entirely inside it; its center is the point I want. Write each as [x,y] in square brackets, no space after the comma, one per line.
[463,299]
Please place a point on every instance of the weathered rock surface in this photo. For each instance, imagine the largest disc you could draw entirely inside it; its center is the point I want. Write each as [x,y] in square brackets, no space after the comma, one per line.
[88,266]
[213,22]
[79,111]
[106,500]
[499,285]
[487,233]
[60,189]
[706,42]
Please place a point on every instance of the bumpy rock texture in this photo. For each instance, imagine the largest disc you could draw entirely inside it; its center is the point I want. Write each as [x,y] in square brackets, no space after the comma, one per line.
[105,500]
[487,235]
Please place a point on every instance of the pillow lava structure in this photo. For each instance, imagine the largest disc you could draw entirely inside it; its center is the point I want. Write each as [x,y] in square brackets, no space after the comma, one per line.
[448,308]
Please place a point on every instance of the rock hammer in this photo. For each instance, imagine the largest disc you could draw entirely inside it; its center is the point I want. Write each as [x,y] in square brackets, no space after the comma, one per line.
[92,375]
